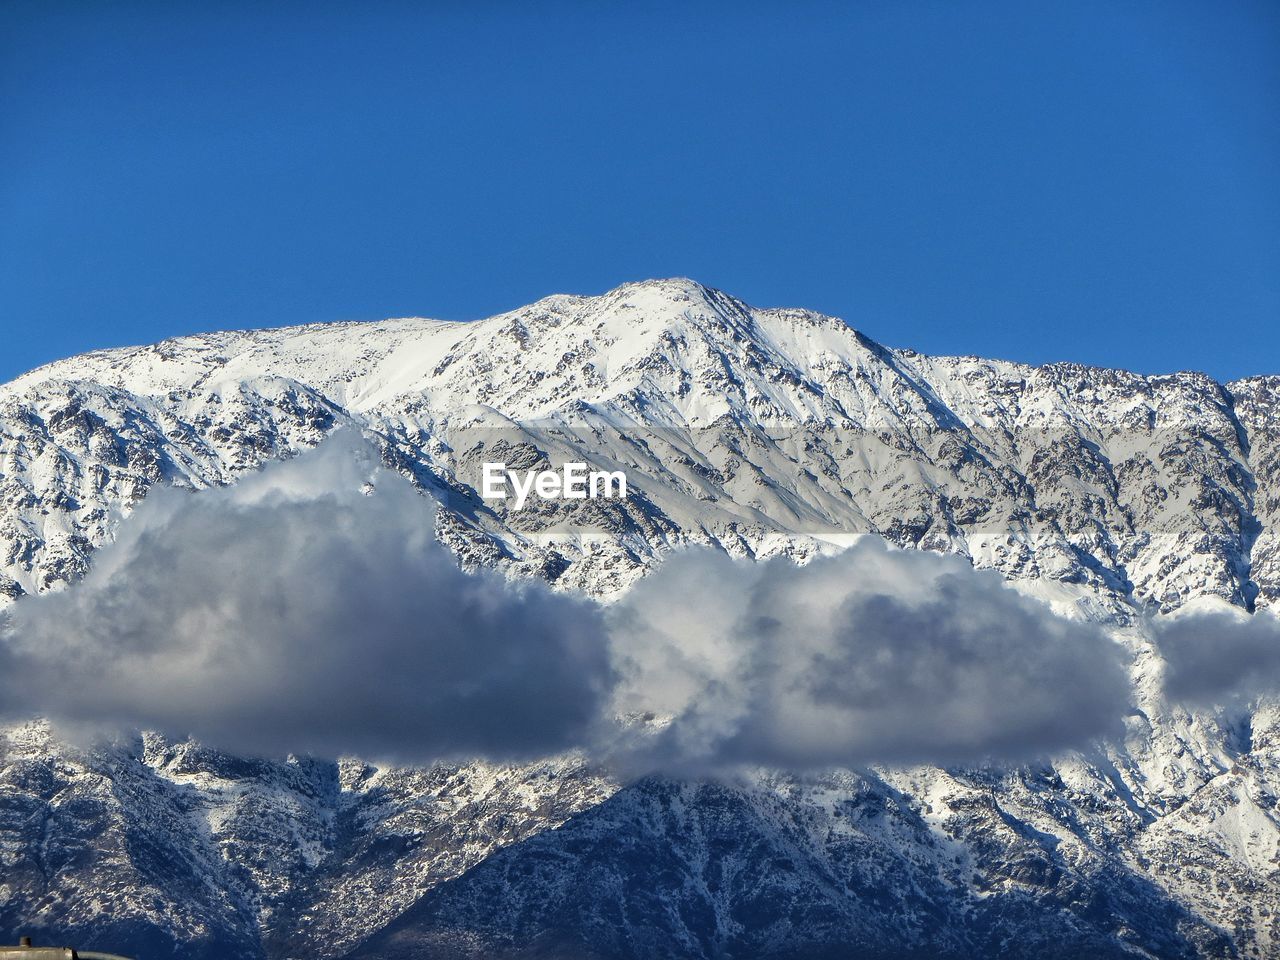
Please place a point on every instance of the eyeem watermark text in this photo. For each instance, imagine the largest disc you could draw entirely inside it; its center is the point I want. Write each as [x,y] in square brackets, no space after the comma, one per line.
[573,481]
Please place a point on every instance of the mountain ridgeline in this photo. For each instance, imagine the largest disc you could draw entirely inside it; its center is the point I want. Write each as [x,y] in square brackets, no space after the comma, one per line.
[1112,496]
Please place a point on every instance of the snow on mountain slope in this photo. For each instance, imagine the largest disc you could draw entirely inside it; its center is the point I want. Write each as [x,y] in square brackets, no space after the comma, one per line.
[762,431]
[757,423]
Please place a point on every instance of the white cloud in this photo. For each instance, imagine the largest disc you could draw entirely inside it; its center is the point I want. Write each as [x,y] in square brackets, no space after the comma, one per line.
[1215,655]
[292,612]
[876,654]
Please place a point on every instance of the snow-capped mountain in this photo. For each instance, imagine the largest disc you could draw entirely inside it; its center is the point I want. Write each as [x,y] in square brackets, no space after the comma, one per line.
[764,432]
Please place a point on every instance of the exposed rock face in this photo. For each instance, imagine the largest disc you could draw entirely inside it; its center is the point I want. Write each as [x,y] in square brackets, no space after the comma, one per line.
[764,432]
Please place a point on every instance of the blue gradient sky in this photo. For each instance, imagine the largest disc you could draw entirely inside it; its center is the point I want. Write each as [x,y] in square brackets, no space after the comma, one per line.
[1083,181]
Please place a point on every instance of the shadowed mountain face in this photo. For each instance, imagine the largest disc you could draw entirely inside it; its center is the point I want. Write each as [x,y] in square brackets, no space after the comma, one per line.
[711,870]
[762,432]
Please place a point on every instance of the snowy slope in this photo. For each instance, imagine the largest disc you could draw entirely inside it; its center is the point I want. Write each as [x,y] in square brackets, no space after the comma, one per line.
[763,431]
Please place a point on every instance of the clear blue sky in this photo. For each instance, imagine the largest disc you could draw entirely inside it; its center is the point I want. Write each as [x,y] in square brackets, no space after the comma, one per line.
[1074,180]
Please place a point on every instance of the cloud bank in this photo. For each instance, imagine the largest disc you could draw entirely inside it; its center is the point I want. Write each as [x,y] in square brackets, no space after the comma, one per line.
[303,610]
[1213,656]
[309,608]
[875,654]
